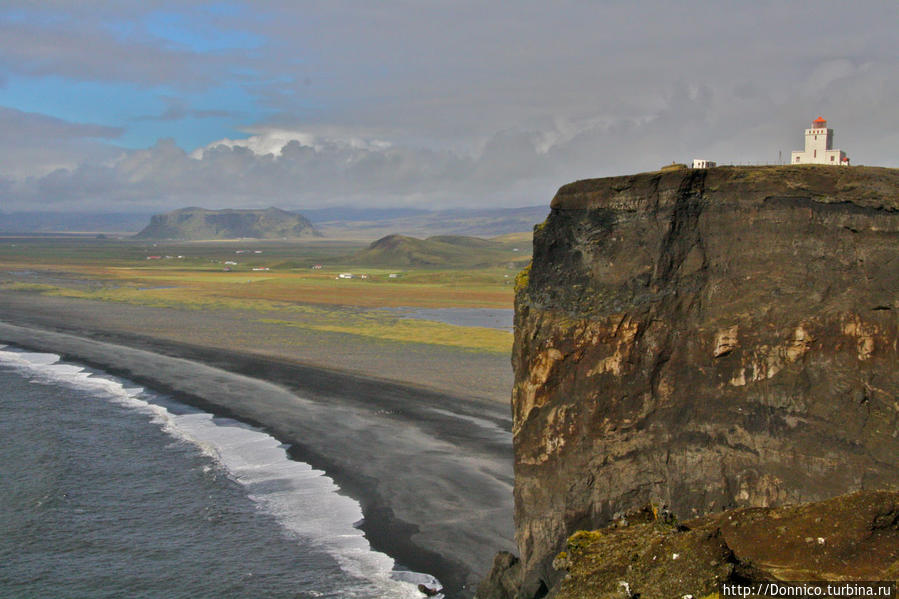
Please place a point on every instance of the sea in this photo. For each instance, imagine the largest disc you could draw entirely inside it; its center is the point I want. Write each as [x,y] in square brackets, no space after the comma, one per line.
[111,490]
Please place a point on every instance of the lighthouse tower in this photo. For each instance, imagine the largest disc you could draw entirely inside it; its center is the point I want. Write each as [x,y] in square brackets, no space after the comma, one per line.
[819,147]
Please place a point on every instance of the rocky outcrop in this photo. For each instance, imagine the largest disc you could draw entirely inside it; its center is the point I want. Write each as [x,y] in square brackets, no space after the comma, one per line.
[504,579]
[704,339]
[850,538]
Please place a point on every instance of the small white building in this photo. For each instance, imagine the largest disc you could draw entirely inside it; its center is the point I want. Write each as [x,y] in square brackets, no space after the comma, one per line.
[700,163]
[819,147]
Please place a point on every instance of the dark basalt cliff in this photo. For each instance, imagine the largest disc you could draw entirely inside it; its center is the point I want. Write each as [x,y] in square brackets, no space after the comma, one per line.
[704,339]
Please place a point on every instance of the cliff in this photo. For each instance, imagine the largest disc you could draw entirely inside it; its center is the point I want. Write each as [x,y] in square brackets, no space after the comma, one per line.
[199,223]
[704,339]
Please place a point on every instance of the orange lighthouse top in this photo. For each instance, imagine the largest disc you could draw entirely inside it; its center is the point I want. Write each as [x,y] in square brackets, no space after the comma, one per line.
[819,123]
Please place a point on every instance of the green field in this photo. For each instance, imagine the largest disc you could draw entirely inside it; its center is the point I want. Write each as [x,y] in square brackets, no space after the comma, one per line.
[302,287]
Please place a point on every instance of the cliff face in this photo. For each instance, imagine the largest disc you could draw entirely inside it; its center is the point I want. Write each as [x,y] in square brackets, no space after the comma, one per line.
[705,339]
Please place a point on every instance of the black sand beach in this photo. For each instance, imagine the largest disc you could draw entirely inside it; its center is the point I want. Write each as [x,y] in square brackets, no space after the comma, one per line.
[433,471]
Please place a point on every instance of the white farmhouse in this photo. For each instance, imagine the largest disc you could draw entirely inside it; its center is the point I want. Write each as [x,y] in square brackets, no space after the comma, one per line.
[819,147]
[701,163]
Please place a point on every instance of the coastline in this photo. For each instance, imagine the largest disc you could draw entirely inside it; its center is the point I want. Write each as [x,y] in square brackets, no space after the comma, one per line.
[197,334]
[454,455]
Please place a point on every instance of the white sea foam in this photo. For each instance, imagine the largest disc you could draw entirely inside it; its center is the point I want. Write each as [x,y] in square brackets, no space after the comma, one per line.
[303,500]
[490,428]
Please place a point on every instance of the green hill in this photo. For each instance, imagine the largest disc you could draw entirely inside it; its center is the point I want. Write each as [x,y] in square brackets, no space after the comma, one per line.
[199,223]
[446,251]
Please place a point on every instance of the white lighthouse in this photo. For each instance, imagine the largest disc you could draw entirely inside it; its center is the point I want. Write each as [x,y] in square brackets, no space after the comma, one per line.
[819,147]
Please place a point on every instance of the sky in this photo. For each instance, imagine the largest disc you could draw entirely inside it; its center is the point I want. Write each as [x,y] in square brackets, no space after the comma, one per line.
[151,105]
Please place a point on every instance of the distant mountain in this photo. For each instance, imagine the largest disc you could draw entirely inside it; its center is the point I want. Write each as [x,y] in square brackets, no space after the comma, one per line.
[199,223]
[71,222]
[448,251]
[374,224]
[356,213]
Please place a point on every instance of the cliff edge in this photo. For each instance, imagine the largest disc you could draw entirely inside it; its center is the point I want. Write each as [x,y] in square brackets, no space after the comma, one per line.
[706,340]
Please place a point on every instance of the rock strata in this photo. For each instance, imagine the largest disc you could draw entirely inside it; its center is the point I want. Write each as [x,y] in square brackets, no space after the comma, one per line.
[706,340]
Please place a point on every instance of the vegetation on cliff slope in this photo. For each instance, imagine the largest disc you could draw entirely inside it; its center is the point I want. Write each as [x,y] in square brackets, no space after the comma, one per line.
[849,538]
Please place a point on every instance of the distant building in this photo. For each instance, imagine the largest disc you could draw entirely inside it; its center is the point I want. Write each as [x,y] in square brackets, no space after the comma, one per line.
[700,163]
[819,147]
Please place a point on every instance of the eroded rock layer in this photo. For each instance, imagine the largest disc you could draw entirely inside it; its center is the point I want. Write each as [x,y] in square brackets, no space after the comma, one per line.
[706,339]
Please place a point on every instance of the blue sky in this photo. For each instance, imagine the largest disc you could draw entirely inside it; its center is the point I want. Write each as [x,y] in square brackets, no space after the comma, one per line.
[132,105]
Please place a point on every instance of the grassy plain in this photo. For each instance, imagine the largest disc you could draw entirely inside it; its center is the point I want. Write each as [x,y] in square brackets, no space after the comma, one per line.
[300,290]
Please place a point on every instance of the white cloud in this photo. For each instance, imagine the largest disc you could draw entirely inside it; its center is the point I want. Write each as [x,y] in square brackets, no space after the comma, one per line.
[272,141]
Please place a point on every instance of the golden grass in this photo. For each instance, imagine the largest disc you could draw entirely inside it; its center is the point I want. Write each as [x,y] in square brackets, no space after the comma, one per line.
[411,331]
[425,289]
[376,325]
[315,300]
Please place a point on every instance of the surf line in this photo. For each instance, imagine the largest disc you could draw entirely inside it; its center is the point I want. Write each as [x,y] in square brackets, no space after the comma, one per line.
[303,500]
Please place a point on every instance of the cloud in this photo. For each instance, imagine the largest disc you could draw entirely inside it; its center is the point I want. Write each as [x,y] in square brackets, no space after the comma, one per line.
[177,109]
[109,42]
[310,172]
[34,144]
[92,56]
[451,103]
[30,125]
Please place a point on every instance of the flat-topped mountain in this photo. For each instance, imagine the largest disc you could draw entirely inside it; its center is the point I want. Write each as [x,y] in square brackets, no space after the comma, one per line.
[450,251]
[199,223]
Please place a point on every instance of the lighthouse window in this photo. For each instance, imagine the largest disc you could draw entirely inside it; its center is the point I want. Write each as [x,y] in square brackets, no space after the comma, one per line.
[831,158]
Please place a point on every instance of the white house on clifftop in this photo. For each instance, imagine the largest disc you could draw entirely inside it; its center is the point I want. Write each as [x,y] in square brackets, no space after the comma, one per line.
[819,147]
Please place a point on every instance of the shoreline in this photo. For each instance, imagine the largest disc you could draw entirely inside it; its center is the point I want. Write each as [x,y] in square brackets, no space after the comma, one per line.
[454,455]
[197,334]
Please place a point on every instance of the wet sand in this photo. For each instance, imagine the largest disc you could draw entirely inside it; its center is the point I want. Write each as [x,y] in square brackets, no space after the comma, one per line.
[432,470]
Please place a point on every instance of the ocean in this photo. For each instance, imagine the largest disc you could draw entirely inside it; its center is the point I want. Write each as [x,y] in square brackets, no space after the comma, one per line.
[111,490]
